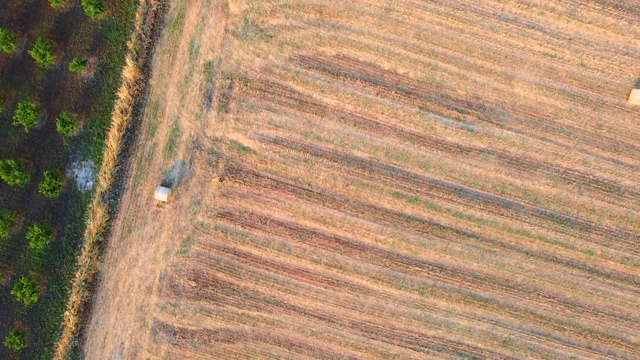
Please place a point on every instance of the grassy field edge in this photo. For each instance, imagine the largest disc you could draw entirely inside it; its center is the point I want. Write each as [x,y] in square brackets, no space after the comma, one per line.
[138,49]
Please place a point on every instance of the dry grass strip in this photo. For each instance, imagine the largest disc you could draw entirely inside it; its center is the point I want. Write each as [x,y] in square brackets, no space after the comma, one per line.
[137,53]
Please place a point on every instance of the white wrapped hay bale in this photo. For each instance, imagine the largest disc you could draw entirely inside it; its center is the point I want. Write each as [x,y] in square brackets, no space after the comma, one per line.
[634,97]
[162,193]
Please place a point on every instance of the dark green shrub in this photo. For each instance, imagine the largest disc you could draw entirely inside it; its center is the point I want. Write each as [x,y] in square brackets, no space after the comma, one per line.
[12,172]
[52,184]
[7,222]
[8,41]
[26,291]
[78,65]
[94,9]
[57,3]
[39,236]
[16,340]
[27,114]
[67,124]
[42,53]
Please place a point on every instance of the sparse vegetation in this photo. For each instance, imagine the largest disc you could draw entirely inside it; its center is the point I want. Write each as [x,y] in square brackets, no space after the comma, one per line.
[7,222]
[52,184]
[147,14]
[39,236]
[26,115]
[16,340]
[67,124]
[89,99]
[8,41]
[94,9]
[185,246]
[42,53]
[241,148]
[78,65]
[172,144]
[12,172]
[26,291]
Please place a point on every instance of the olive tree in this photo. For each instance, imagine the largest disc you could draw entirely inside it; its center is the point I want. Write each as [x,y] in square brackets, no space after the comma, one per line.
[42,53]
[8,41]
[16,340]
[7,222]
[39,236]
[78,65]
[27,114]
[52,184]
[12,172]
[57,3]
[67,124]
[94,9]
[26,291]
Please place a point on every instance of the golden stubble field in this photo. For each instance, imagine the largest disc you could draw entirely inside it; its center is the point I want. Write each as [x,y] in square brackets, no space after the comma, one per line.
[382,180]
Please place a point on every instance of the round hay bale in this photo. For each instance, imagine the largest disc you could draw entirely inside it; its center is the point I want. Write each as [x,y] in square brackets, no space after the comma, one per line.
[634,97]
[162,193]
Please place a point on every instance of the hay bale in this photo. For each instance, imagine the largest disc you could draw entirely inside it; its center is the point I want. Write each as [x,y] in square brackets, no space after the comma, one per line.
[634,97]
[162,193]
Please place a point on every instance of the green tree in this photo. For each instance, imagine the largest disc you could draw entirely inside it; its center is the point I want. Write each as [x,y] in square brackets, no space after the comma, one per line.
[8,41]
[12,172]
[26,291]
[27,114]
[67,124]
[39,236]
[16,340]
[42,53]
[52,184]
[57,3]
[1,103]
[7,222]
[94,9]
[78,65]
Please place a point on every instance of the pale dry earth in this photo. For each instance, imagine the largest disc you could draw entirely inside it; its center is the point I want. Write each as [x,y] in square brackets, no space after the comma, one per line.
[382,180]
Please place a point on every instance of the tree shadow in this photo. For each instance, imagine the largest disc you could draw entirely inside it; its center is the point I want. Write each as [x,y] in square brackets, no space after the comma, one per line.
[65,27]
[21,16]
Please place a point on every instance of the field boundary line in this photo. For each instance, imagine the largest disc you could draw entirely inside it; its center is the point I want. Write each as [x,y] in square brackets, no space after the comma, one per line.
[133,80]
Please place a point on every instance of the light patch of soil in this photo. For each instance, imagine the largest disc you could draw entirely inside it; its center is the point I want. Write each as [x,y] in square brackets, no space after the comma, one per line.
[84,174]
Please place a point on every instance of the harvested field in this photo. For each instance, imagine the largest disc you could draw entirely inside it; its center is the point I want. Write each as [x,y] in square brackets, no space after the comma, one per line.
[382,180]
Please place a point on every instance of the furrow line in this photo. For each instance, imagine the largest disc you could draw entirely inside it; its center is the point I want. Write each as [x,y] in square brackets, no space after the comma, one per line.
[336,284]
[396,219]
[483,283]
[289,98]
[403,89]
[396,177]
[211,287]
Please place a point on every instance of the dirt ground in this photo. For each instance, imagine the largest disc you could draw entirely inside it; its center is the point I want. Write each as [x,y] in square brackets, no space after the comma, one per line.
[145,236]
[381,179]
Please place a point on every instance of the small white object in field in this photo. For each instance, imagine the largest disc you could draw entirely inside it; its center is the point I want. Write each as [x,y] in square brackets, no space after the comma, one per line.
[634,97]
[162,193]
